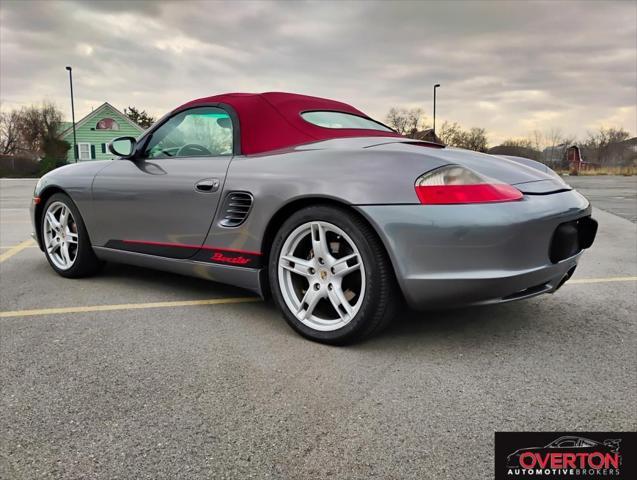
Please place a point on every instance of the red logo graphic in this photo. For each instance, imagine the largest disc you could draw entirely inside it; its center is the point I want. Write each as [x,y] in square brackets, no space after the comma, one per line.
[220,257]
[595,460]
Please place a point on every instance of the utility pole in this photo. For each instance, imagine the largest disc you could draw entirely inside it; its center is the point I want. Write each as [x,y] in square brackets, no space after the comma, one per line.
[73,113]
[435,87]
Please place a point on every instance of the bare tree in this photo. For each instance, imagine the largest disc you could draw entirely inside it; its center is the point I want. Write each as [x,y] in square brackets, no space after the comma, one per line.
[555,144]
[517,142]
[9,133]
[474,139]
[555,137]
[448,132]
[606,146]
[38,127]
[406,122]
[33,132]
[415,120]
[454,135]
[537,140]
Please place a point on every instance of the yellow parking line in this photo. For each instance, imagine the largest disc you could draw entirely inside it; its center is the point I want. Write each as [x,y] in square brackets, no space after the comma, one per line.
[17,249]
[127,306]
[190,303]
[601,280]
[7,247]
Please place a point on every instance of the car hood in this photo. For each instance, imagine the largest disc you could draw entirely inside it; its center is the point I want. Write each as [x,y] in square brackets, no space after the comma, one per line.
[80,168]
[528,176]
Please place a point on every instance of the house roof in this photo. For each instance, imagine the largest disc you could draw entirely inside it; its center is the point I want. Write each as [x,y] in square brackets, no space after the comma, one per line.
[69,125]
[427,135]
[271,121]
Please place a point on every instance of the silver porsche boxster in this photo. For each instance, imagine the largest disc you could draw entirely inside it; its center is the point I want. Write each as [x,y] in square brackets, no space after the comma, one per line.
[310,201]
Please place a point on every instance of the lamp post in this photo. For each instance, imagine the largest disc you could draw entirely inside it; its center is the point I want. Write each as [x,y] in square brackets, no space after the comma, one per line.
[73,113]
[435,87]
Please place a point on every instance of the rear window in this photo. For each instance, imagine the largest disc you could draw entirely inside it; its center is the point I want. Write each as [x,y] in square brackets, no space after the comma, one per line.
[342,120]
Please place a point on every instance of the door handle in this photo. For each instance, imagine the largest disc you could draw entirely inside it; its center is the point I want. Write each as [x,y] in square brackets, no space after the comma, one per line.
[207,185]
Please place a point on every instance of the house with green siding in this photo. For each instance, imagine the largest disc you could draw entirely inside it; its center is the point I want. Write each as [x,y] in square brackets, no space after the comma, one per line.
[95,130]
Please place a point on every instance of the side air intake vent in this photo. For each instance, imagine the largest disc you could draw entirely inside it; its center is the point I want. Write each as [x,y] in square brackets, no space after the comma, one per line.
[236,209]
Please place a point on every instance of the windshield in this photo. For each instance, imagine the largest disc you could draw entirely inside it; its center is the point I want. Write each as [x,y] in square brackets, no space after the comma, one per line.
[329,119]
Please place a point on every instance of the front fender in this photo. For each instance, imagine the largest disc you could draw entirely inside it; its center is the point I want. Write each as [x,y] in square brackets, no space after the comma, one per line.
[74,180]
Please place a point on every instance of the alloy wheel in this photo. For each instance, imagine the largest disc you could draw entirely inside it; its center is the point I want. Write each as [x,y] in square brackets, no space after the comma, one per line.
[321,276]
[60,235]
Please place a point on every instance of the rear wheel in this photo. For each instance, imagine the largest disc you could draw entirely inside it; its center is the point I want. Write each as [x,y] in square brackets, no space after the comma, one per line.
[330,276]
[65,239]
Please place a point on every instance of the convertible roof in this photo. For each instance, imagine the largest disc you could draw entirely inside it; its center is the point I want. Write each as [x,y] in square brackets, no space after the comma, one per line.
[270,121]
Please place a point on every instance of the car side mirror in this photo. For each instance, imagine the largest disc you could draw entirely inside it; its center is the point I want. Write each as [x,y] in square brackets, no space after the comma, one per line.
[122,146]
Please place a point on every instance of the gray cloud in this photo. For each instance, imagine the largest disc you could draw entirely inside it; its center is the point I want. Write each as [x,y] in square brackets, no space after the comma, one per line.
[510,67]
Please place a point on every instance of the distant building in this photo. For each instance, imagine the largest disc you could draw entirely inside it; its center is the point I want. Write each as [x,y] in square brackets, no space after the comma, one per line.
[95,130]
[555,154]
[575,160]
[631,146]
[427,135]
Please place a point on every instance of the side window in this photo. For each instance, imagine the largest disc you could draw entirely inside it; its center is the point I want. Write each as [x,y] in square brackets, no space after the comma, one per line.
[199,132]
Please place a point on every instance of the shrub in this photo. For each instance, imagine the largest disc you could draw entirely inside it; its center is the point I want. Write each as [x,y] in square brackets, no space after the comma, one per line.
[48,164]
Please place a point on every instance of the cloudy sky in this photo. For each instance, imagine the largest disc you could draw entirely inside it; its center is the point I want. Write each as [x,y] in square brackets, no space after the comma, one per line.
[510,67]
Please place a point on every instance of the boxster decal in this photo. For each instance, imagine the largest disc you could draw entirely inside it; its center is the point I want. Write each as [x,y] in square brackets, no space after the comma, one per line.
[200,253]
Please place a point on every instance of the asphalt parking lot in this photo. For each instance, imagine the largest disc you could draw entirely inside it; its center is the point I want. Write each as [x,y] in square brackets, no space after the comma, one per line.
[141,374]
[611,193]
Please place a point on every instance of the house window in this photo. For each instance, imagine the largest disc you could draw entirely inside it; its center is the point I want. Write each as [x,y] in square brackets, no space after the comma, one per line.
[84,151]
[107,124]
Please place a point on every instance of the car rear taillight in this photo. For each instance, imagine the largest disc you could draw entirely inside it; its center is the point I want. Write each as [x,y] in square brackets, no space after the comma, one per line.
[454,185]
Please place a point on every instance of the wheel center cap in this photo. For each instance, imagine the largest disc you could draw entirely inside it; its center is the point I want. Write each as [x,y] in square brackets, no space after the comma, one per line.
[323,275]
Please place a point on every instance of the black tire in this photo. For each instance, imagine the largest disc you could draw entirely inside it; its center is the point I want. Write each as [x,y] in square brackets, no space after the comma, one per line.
[86,263]
[381,297]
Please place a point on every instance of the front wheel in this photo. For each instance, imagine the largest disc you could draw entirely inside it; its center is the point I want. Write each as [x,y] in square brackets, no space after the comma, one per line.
[330,276]
[66,243]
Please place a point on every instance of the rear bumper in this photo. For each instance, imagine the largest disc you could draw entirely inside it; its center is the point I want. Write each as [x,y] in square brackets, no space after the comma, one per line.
[456,255]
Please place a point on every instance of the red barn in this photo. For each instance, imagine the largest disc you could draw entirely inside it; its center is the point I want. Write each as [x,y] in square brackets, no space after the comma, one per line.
[575,161]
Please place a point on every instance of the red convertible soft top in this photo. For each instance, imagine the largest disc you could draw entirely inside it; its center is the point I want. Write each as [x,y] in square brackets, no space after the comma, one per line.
[270,121]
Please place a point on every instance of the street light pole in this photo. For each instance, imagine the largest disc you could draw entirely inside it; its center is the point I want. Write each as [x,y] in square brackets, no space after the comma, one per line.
[435,87]
[73,113]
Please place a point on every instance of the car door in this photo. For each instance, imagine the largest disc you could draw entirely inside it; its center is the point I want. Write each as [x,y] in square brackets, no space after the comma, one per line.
[163,201]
